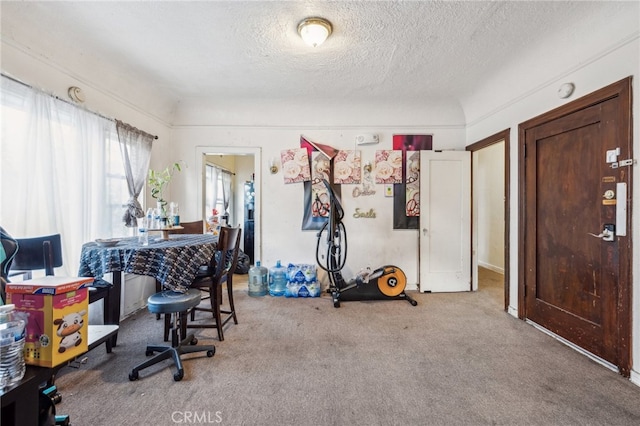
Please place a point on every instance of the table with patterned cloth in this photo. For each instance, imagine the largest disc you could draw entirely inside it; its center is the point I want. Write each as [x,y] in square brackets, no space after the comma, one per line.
[173,262]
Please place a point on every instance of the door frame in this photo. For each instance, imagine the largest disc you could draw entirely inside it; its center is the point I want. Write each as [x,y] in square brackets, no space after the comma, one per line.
[622,90]
[201,153]
[488,141]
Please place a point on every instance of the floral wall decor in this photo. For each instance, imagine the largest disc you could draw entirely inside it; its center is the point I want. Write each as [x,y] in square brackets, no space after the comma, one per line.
[413,183]
[295,165]
[346,167]
[388,166]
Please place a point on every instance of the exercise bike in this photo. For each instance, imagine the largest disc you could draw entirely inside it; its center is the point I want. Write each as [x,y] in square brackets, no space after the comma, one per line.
[384,283]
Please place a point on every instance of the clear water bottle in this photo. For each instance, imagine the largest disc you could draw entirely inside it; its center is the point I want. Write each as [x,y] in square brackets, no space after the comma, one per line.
[143,236]
[143,231]
[150,218]
[277,280]
[12,338]
[258,280]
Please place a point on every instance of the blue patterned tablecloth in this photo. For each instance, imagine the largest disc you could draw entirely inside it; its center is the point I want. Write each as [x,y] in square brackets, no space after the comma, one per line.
[173,262]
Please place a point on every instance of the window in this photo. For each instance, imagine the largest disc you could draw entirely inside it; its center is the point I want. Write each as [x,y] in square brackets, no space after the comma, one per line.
[214,190]
[61,171]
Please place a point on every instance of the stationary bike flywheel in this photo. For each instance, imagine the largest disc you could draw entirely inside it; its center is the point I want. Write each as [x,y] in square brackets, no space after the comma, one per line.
[392,282]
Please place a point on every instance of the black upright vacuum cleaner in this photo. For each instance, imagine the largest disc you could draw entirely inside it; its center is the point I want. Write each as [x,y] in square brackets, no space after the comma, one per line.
[384,283]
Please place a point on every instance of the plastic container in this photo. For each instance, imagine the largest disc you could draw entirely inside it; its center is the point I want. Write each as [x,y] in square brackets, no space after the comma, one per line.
[302,281]
[258,280]
[277,280]
[143,236]
[12,338]
[6,313]
[143,231]
[174,214]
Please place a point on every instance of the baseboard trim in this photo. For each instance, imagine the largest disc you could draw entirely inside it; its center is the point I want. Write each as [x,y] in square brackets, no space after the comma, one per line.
[491,267]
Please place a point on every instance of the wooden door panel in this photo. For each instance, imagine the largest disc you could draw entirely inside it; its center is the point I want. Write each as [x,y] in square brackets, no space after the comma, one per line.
[569,259]
[571,276]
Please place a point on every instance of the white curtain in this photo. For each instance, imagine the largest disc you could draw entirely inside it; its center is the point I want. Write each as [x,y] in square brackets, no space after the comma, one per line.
[61,171]
[226,193]
[135,146]
[212,189]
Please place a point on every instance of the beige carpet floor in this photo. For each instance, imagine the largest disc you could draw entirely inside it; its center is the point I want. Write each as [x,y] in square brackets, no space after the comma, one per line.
[455,359]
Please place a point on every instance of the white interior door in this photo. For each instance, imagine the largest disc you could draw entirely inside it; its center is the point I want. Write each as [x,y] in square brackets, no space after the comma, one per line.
[445,221]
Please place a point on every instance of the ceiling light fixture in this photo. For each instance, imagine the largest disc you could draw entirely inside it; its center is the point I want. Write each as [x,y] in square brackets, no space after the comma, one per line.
[314,31]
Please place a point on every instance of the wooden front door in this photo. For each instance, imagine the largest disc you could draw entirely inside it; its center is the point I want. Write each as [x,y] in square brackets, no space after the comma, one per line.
[577,282]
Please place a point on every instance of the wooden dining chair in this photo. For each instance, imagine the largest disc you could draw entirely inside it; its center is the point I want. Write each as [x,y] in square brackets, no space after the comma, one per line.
[196,227]
[219,271]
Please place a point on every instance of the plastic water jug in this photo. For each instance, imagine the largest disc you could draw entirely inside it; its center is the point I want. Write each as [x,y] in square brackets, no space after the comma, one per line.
[277,280]
[258,280]
[12,338]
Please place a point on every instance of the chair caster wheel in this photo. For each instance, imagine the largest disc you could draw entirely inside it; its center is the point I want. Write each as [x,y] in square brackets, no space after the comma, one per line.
[193,341]
[133,376]
[211,353]
[414,303]
[336,303]
[148,353]
[178,376]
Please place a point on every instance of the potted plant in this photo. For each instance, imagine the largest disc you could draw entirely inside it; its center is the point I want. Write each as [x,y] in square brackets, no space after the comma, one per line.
[158,181]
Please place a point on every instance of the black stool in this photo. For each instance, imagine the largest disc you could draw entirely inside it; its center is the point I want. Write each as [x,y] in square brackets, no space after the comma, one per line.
[175,304]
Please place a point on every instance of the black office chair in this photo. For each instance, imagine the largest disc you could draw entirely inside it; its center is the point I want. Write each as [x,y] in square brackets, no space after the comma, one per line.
[177,305]
[36,254]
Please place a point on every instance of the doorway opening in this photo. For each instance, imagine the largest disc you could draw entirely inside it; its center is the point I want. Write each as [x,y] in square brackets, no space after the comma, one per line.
[244,163]
[490,216]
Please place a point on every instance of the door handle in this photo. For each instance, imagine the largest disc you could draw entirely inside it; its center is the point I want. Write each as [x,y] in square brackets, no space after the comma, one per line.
[608,233]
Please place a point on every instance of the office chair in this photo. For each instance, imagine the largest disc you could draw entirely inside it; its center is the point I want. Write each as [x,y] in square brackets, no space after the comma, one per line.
[177,305]
[36,254]
[210,280]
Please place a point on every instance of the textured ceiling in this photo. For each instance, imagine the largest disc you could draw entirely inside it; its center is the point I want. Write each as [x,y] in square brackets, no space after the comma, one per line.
[250,49]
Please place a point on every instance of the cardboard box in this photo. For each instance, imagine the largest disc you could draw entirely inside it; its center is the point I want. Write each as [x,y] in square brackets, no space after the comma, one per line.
[56,311]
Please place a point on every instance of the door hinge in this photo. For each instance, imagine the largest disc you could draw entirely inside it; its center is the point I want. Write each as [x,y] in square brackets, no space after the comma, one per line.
[623,163]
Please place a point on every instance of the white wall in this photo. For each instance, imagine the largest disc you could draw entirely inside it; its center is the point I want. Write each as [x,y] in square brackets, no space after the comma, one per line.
[489,185]
[372,242]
